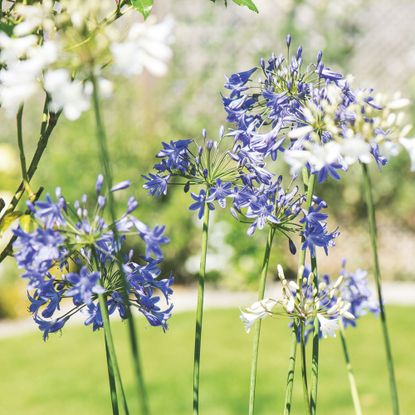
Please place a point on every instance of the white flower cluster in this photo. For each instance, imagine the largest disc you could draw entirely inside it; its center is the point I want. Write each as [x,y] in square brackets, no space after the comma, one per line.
[357,131]
[57,46]
[303,304]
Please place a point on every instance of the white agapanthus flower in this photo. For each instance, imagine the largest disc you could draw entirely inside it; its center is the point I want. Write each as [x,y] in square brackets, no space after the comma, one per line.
[34,16]
[303,304]
[19,80]
[66,95]
[17,84]
[296,159]
[316,155]
[146,47]
[328,326]
[44,55]
[355,149]
[13,48]
[258,310]
[77,38]
[322,155]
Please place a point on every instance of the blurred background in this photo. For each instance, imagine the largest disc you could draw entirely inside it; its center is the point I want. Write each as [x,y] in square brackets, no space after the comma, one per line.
[373,40]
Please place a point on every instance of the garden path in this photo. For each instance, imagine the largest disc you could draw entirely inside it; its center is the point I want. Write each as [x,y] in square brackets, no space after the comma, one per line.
[184,299]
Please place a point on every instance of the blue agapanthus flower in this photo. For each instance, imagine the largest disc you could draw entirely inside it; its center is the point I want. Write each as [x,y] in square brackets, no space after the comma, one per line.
[83,286]
[315,232]
[73,254]
[200,203]
[203,164]
[357,292]
[305,112]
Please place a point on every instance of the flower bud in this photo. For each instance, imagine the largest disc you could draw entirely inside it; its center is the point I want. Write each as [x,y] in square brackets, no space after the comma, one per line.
[221,131]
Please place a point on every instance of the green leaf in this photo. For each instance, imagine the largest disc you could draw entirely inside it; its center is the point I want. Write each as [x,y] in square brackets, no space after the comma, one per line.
[7,28]
[248,3]
[2,204]
[143,6]
[7,220]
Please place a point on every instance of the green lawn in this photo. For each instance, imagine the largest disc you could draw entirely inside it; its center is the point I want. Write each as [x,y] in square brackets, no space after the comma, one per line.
[67,375]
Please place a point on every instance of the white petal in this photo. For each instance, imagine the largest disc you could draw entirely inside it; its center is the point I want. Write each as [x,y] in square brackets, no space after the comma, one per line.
[328,326]
[300,132]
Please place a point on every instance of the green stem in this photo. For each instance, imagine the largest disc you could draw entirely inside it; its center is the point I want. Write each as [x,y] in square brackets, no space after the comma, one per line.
[19,119]
[104,156]
[111,380]
[291,371]
[309,184]
[199,310]
[350,374]
[112,361]
[257,332]
[373,239]
[19,122]
[304,369]
[41,146]
[316,344]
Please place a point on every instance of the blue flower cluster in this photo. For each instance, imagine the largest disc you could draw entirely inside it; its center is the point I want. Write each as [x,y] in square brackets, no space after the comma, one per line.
[353,288]
[315,228]
[254,193]
[298,110]
[356,291]
[73,254]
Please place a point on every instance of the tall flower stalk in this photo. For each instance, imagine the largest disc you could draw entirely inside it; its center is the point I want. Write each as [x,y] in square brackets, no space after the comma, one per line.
[309,185]
[291,371]
[373,240]
[104,155]
[350,373]
[206,164]
[199,309]
[316,344]
[257,332]
[112,361]
[304,375]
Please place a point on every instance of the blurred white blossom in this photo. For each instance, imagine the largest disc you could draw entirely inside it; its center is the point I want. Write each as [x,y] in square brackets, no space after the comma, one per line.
[58,46]
[146,47]
[66,95]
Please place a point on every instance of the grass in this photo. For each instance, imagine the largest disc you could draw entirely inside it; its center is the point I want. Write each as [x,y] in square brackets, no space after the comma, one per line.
[67,376]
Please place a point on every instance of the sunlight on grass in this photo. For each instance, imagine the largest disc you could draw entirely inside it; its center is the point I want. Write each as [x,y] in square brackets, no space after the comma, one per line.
[67,374]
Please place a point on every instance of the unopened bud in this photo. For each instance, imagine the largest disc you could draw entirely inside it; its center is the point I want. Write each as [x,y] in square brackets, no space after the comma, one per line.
[338,282]
[293,285]
[221,131]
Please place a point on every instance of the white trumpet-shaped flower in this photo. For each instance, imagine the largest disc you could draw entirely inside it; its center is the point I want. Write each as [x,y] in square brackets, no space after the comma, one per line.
[258,310]
[328,326]
[66,95]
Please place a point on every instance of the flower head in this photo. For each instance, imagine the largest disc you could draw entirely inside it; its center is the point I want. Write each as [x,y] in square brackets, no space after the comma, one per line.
[74,254]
